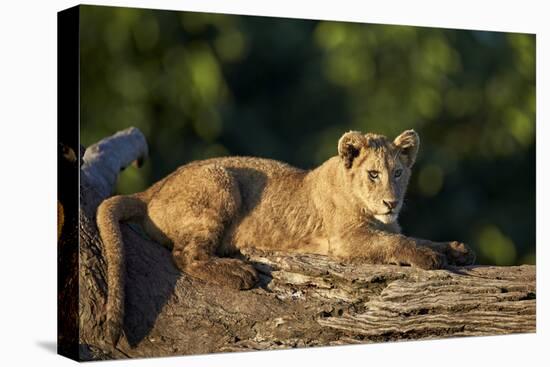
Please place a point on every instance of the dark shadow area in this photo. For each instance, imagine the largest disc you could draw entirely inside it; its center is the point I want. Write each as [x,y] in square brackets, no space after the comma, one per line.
[150,280]
[251,186]
[264,274]
[459,270]
[463,270]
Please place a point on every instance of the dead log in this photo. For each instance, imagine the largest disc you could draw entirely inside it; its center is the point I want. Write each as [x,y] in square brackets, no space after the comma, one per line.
[303,300]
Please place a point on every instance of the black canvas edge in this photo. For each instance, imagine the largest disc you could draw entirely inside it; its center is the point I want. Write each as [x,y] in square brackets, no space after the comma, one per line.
[68,133]
[68,99]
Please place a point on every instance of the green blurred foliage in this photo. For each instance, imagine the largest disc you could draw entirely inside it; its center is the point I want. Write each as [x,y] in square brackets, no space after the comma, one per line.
[204,85]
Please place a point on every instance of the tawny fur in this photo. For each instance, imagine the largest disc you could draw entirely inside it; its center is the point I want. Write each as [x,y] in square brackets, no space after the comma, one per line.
[346,208]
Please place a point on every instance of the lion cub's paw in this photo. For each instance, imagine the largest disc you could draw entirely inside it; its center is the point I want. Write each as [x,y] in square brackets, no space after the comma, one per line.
[428,259]
[235,274]
[459,254]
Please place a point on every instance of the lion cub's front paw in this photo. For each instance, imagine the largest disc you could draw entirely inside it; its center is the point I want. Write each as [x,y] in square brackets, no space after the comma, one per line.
[428,259]
[459,254]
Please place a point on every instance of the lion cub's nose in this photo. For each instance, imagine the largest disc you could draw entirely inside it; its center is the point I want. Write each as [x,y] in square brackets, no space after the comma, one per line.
[390,204]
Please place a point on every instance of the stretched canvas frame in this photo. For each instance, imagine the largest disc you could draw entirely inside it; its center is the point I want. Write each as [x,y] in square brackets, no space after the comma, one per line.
[301,300]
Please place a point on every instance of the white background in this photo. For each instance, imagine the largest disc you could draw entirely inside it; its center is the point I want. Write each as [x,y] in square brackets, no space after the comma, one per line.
[28,181]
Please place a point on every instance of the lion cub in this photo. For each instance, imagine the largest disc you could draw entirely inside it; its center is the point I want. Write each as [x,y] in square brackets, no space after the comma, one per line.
[347,208]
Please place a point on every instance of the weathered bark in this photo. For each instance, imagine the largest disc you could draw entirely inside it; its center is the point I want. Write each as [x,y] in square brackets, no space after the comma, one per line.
[303,300]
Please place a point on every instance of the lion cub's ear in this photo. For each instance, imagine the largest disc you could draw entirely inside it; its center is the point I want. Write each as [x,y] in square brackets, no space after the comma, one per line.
[408,143]
[349,146]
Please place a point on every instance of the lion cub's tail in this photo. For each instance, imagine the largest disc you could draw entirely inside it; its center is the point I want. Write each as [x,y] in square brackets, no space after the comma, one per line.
[109,214]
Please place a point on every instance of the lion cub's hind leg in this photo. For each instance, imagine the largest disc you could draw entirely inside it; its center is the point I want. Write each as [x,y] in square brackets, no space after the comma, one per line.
[211,201]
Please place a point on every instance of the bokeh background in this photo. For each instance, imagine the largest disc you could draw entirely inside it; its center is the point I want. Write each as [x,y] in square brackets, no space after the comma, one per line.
[204,85]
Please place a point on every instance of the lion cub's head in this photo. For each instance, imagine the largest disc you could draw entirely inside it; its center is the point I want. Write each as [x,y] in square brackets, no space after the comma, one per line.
[378,170]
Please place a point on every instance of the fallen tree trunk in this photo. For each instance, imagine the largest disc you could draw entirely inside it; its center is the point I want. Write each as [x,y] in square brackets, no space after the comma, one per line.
[303,300]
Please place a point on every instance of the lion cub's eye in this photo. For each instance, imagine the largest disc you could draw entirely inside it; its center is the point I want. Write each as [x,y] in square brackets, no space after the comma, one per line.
[374,174]
[398,173]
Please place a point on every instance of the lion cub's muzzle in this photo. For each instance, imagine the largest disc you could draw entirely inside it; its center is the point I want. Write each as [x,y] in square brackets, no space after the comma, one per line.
[389,212]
